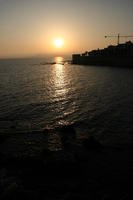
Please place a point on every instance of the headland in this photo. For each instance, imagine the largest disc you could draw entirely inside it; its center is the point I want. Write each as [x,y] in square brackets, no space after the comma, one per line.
[120,55]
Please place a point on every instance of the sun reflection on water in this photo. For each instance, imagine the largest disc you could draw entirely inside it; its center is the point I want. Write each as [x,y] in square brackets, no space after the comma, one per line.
[60,77]
[59,60]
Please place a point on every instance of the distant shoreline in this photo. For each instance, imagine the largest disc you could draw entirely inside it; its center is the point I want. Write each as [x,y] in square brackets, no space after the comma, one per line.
[119,56]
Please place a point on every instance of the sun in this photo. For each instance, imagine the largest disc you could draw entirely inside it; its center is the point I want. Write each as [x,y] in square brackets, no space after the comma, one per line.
[58,42]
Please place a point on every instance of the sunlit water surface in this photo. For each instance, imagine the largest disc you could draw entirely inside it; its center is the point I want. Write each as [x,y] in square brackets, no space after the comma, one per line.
[35,93]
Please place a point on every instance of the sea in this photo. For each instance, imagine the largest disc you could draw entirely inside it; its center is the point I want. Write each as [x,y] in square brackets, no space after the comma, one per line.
[36,93]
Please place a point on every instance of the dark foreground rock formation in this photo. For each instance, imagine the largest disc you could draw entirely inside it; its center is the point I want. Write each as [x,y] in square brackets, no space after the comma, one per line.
[54,165]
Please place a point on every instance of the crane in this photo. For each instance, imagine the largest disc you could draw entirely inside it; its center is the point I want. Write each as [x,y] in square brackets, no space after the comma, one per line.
[118,37]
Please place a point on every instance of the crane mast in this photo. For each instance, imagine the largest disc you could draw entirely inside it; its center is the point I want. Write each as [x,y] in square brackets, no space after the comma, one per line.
[118,37]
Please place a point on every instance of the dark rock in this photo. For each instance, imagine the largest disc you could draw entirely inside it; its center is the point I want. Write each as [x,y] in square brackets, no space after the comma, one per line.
[47,157]
[46,131]
[10,191]
[92,143]
[3,137]
[68,136]
[13,127]
[68,131]
[46,154]
[14,193]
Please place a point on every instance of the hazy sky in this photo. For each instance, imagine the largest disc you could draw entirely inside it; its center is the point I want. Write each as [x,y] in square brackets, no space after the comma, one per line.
[28,27]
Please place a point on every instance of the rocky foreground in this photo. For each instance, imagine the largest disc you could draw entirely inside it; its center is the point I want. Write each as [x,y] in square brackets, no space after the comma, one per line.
[56,165]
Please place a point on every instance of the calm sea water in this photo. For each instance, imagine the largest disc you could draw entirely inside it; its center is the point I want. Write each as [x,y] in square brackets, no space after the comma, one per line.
[35,93]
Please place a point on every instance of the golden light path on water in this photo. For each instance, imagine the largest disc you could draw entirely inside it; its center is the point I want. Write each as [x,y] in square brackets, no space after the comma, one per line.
[60,78]
[60,97]
[62,91]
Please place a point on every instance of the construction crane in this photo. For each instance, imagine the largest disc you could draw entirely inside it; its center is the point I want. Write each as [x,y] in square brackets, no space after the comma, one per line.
[118,37]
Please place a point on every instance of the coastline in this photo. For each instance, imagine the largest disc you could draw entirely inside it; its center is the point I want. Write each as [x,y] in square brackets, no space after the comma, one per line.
[120,55]
[103,61]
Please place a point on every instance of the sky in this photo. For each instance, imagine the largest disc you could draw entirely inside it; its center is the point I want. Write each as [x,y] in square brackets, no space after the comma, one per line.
[28,27]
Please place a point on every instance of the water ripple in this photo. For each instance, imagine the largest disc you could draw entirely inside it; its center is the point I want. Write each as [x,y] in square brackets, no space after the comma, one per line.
[94,99]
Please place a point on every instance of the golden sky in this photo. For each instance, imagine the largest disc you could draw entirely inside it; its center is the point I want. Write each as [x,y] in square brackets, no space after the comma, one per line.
[30,27]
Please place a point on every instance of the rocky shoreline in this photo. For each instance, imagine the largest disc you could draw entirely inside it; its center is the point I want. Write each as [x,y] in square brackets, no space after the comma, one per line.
[55,165]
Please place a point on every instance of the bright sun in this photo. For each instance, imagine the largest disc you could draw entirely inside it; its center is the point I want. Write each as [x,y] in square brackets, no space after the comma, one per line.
[58,43]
